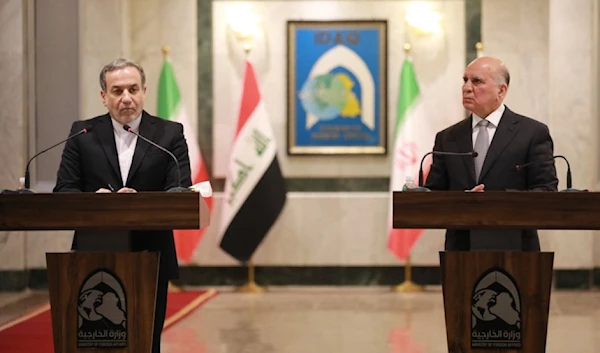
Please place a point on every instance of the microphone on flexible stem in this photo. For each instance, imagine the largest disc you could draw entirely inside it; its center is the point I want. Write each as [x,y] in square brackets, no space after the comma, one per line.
[421,187]
[177,188]
[569,178]
[26,184]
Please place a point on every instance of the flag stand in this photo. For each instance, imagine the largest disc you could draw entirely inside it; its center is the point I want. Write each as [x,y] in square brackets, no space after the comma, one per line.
[408,286]
[250,286]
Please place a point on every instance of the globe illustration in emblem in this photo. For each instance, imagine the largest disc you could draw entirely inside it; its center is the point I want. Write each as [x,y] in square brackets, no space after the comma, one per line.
[483,300]
[326,96]
[88,302]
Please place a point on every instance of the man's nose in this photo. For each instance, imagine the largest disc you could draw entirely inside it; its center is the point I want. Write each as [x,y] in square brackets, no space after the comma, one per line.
[126,97]
[467,87]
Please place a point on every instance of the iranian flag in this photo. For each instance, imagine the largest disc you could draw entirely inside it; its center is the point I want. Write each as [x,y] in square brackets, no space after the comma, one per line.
[255,192]
[170,107]
[413,137]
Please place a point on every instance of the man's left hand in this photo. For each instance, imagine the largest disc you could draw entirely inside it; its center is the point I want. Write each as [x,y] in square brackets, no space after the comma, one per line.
[126,190]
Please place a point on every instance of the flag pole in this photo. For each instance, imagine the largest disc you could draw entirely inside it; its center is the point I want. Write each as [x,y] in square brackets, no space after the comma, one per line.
[172,288]
[250,286]
[408,286]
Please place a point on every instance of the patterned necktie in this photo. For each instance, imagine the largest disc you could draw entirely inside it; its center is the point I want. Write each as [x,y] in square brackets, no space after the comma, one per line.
[481,146]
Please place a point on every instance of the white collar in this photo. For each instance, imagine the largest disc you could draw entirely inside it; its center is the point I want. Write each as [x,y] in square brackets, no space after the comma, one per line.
[134,125]
[493,118]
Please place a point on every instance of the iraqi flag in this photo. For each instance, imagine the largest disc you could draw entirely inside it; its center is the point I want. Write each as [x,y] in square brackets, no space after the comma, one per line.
[414,135]
[255,192]
[170,107]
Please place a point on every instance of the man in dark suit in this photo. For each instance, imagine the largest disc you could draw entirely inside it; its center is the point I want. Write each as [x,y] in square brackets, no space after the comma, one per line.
[110,158]
[503,139]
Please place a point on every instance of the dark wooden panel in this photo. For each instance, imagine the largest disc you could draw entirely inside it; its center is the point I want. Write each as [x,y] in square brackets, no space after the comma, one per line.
[114,211]
[496,210]
[138,273]
[532,274]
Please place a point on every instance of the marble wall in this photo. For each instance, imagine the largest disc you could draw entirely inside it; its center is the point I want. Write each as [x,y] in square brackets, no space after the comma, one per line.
[343,234]
[107,29]
[13,116]
[549,45]
[550,48]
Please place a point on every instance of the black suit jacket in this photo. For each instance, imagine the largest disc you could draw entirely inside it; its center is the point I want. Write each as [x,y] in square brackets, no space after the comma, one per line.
[90,162]
[517,140]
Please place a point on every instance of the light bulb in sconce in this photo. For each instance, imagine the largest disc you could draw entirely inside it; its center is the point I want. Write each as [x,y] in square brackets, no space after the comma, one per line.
[244,24]
[422,17]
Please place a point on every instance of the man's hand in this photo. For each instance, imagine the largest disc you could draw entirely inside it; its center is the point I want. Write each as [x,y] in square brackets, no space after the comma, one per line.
[126,190]
[478,188]
[102,191]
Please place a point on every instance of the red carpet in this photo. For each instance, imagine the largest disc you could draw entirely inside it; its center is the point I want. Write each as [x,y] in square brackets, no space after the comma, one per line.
[33,331]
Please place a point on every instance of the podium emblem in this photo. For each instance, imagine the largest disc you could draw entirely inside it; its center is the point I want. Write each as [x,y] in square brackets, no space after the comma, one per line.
[496,311]
[102,311]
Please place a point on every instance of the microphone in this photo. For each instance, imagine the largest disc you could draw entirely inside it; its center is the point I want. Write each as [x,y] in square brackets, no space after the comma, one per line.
[569,178]
[26,184]
[421,187]
[177,188]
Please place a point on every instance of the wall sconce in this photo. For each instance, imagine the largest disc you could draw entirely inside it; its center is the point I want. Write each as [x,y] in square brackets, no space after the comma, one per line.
[423,19]
[244,25]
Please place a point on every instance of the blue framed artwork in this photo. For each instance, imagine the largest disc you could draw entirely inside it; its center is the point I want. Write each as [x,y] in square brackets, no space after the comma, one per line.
[337,87]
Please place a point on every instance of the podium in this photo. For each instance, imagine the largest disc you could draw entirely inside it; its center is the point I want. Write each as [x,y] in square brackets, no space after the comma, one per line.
[496,301]
[103,297]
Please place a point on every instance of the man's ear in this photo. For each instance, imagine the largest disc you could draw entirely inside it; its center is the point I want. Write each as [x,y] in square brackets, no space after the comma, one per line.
[503,91]
[103,95]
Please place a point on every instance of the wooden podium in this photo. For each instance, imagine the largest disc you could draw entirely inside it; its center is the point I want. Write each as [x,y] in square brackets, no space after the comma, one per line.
[496,301]
[103,297]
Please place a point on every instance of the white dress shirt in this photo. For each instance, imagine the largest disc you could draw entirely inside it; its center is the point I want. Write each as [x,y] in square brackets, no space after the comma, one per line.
[493,119]
[125,142]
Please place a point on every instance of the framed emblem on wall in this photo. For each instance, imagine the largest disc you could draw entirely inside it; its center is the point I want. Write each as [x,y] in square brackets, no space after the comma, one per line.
[337,87]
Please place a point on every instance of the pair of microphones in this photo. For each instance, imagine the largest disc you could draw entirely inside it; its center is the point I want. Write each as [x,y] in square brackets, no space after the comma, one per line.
[473,154]
[27,182]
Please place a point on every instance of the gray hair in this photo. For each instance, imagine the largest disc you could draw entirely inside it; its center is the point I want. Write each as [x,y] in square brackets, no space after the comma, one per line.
[119,64]
[503,76]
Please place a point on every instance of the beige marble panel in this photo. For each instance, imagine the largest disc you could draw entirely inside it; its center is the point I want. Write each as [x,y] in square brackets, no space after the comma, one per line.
[439,64]
[325,229]
[41,242]
[548,45]
[349,229]
[596,248]
[12,120]
[517,33]
[103,38]
[12,250]
[13,143]
[572,113]
[156,24]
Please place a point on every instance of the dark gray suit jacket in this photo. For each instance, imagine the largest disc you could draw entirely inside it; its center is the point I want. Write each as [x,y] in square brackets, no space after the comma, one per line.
[517,140]
[90,162]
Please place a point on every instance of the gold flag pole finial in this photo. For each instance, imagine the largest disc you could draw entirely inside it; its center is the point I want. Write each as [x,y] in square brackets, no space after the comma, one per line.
[407,48]
[165,50]
[479,48]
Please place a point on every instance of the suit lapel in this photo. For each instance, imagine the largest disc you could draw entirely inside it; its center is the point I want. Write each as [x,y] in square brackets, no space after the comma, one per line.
[504,134]
[464,140]
[107,140]
[147,129]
